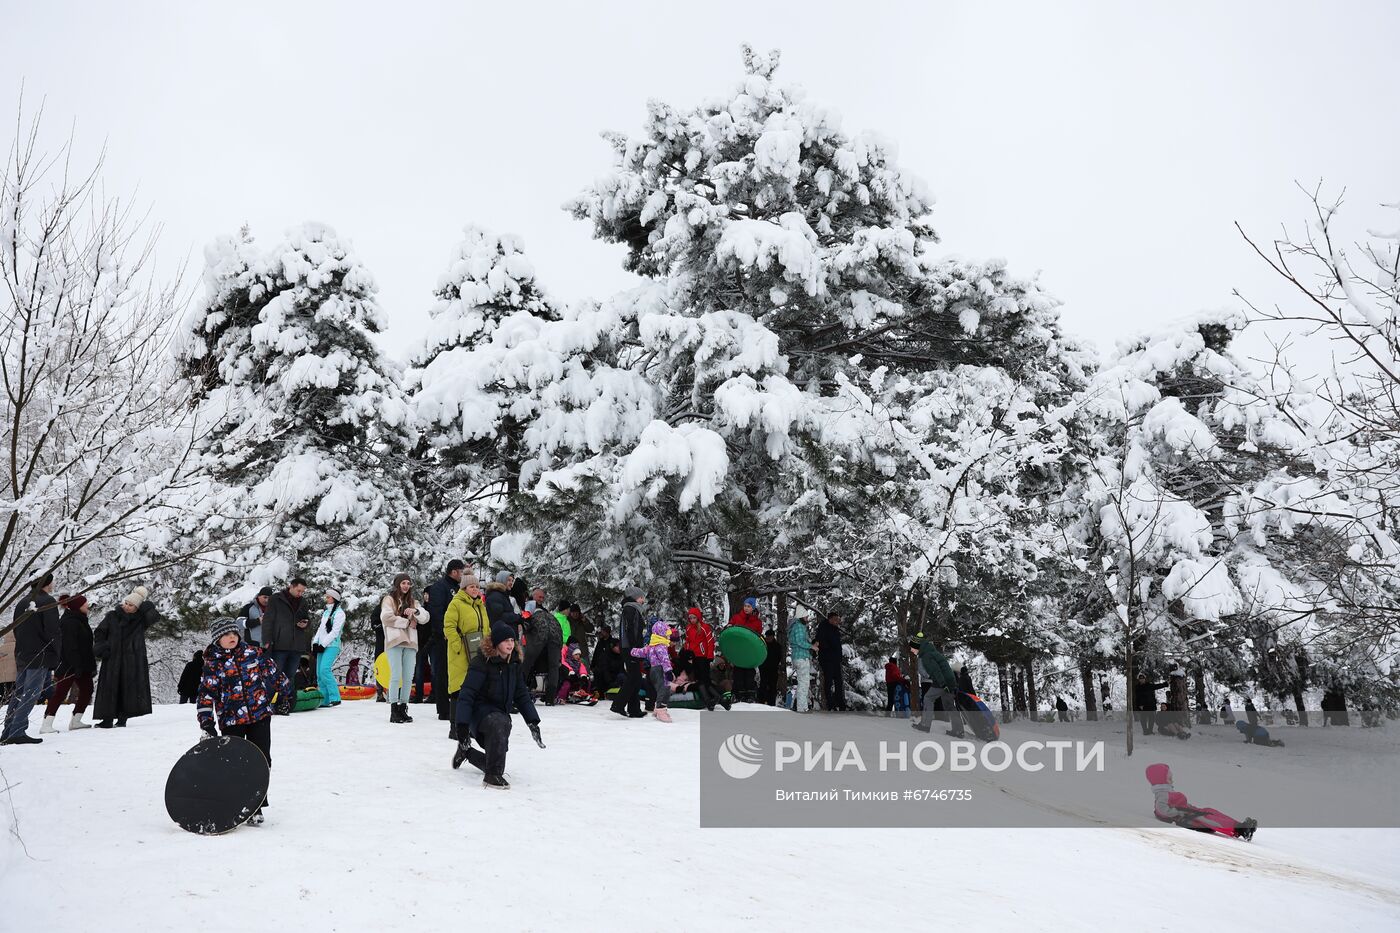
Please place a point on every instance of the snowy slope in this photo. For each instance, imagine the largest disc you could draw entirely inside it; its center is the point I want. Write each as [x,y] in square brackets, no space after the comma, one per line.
[369,828]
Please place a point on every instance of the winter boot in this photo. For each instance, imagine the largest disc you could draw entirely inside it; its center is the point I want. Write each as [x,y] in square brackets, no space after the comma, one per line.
[77,723]
[394,715]
[121,722]
[105,724]
[727,700]
[47,726]
[403,713]
[21,739]
[662,715]
[1245,829]
[452,732]
[496,782]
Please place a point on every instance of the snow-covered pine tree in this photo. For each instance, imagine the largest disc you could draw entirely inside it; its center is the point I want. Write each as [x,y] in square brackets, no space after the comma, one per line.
[313,430]
[459,471]
[802,388]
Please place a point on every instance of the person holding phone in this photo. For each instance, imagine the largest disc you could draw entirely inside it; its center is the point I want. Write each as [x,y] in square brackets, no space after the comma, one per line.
[401,616]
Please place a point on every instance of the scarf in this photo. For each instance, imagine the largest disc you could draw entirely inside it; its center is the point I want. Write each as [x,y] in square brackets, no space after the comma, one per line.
[658,640]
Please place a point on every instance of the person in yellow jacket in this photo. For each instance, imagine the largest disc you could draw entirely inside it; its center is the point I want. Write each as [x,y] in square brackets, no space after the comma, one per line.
[464,625]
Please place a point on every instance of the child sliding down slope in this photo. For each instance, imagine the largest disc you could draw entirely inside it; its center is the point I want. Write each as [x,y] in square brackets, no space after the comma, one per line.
[1171,806]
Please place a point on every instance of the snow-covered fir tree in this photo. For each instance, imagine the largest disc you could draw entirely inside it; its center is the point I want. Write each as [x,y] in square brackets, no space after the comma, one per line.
[802,390]
[460,471]
[310,426]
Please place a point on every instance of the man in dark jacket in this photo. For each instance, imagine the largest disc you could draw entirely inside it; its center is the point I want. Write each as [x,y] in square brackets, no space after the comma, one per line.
[432,644]
[604,662]
[1145,702]
[36,654]
[251,617]
[494,688]
[631,634]
[287,633]
[934,667]
[828,645]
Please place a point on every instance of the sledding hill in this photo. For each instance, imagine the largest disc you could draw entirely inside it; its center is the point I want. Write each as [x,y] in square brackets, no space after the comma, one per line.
[369,828]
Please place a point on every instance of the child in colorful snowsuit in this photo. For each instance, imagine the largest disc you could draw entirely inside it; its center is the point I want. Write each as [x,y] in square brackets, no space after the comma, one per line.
[1171,806]
[657,653]
[237,691]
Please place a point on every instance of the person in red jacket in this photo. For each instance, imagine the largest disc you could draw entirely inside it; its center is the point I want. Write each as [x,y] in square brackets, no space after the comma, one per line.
[700,642]
[894,678]
[746,679]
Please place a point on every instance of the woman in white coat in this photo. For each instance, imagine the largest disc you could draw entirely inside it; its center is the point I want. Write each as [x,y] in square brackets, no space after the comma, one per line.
[326,645]
[401,616]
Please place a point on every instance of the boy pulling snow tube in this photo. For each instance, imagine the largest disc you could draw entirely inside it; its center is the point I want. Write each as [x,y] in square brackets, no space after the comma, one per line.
[1171,806]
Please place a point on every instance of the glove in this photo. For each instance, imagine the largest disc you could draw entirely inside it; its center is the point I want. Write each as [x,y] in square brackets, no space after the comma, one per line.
[535,734]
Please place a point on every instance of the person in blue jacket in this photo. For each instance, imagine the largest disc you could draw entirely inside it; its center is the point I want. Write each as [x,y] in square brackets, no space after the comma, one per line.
[495,687]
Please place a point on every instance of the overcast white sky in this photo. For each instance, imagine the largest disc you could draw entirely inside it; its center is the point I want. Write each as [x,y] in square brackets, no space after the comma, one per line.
[1109,146]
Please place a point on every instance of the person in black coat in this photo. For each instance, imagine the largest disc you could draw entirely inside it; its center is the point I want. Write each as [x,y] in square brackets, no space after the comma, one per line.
[498,599]
[76,663]
[439,594]
[768,671]
[828,645]
[36,654]
[1145,702]
[124,683]
[495,687]
[605,664]
[631,634]
[188,686]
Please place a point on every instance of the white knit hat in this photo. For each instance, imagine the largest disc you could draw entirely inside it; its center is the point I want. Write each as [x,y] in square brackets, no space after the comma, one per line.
[136,597]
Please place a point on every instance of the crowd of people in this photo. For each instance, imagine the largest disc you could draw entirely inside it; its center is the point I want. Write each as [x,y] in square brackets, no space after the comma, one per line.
[58,654]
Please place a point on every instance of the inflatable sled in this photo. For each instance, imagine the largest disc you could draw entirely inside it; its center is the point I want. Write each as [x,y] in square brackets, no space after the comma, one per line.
[381,677]
[741,647]
[309,698]
[356,693]
[978,717]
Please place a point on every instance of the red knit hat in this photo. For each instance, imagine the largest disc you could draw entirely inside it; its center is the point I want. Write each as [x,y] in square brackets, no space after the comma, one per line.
[76,602]
[694,612]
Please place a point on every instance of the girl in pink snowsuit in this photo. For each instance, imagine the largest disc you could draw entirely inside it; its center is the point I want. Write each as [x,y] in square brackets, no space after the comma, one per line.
[575,672]
[657,653]
[1171,806]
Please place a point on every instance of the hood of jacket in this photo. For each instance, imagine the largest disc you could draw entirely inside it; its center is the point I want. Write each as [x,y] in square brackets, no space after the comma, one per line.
[1159,774]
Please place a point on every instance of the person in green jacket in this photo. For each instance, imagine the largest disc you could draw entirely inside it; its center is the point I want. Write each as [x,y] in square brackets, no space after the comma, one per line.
[463,625]
[938,672]
[800,649]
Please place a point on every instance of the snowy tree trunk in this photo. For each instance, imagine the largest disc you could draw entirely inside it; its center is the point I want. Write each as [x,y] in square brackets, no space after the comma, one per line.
[1086,677]
[1298,683]
[1018,688]
[1004,682]
[782,612]
[1031,700]
[1198,676]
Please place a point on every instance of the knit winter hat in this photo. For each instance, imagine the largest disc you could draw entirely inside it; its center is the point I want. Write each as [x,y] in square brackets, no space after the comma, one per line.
[503,576]
[469,580]
[751,601]
[221,627]
[633,593]
[136,597]
[77,602]
[333,593]
[265,591]
[500,631]
[916,639]
[694,613]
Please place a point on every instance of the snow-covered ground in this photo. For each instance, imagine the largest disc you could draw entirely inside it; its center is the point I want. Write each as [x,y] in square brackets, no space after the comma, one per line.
[370,829]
